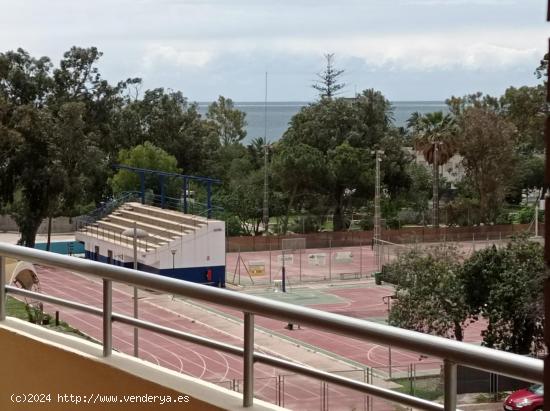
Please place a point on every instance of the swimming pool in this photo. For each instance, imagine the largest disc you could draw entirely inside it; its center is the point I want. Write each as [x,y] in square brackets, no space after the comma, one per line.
[63,247]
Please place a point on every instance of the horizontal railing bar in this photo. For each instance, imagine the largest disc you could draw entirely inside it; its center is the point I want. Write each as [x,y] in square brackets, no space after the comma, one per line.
[365,388]
[461,353]
[237,351]
[182,335]
[146,325]
[54,300]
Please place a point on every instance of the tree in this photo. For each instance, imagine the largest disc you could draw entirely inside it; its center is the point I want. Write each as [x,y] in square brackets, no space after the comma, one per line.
[349,170]
[486,143]
[328,84]
[168,121]
[457,105]
[526,108]
[28,178]
[339,130]
[150,157]
[229,123]
[78,80]
[420,190]
[505,286]
[434,135]
[243,198]
[429,294]
[528,174]
[298,169]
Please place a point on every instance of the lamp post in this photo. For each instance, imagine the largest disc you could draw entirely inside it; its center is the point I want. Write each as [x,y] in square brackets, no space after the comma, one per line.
[377,220]
[135,233]
[173,259]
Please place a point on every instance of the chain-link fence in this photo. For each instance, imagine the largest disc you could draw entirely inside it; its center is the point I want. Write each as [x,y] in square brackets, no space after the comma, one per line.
[290,261]
[297,392]
[404,235]
[300,264]
[420,379]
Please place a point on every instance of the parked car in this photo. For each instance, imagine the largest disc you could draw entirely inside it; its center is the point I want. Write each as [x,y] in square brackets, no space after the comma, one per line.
[527,399]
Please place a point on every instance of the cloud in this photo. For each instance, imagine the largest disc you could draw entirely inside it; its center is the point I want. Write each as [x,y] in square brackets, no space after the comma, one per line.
[181,56]
[489,50]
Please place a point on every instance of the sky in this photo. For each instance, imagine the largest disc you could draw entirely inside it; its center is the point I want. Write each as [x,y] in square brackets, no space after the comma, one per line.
[407,49]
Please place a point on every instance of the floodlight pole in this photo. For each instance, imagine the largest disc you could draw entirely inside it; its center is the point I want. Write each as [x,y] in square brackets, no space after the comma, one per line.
[435,201]
[377,219]
[266,147]
[266,197]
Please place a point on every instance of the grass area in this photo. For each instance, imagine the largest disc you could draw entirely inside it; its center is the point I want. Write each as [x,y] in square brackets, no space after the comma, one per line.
[18,309]
[428,388]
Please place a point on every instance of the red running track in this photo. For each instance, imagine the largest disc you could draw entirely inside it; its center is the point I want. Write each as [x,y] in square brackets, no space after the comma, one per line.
[299,392]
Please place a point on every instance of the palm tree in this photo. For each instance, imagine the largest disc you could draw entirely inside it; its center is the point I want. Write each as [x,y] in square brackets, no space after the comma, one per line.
[433,135]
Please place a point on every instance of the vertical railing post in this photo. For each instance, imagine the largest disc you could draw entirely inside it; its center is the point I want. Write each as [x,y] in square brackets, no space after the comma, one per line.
[248,363]
[209,199]
[142,186]
[162,193]
[2,288]
[107,317]
[450,385]
[185,192]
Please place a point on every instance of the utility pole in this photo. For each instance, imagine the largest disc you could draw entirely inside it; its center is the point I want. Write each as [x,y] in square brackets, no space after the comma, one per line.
[377,219]
[435,201]
[266,152]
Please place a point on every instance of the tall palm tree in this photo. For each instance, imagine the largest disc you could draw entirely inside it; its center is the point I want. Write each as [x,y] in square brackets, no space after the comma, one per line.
[434,136]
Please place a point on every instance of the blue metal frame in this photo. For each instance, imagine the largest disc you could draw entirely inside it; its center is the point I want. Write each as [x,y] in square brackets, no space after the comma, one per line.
[161,174]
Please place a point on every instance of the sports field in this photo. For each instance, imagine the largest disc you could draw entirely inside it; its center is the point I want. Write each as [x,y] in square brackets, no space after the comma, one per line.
[306,265]
[357,298]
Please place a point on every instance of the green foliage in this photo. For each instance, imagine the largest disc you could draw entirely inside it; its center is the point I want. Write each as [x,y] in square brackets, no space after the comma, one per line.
[528,174]
[228,122]
[420,190]
[328,84]
[326,152]
[526,108]
[150,157]
[54,128]
[487,147]
[431,130]
[298,168]
[63,126]
[438,294]
[243,197]
[168,121]
[430,297]
[526,215]
[306,224]
[506,287]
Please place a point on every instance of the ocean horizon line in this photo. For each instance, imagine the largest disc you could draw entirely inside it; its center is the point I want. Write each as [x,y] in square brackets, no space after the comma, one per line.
[298,102]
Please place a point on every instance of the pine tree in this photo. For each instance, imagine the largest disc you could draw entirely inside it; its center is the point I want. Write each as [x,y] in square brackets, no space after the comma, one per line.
[328,85]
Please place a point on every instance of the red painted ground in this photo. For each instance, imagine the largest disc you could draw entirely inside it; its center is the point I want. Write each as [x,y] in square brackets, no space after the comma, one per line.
[299,393]
[363,302]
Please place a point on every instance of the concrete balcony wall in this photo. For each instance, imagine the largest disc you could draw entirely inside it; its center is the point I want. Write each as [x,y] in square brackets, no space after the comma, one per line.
[36,360]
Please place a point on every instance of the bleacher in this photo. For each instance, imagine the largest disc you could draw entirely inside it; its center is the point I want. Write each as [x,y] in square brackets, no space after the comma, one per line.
[175,242]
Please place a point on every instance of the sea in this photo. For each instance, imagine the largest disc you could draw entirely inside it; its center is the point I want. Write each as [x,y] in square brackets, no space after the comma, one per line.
[280,113]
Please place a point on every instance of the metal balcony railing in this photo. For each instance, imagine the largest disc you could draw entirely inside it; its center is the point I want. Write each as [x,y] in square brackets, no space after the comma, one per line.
[452,352]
